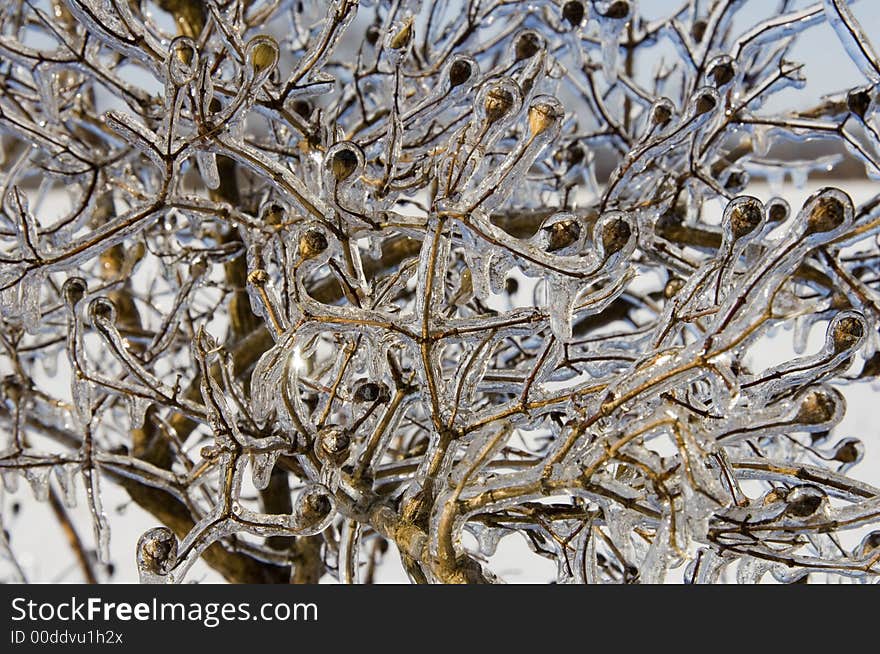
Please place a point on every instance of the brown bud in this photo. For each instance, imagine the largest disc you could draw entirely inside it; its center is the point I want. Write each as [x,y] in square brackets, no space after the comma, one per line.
[618,10]
[847,332]
[698,30]
[573,154]
[157,551]
[303,108]
[804,501]
[209,452]
[869,544]
[258,277]
[527,46]
[705,103]
[615,235]
[12,388]
[184,52]
[827,214]
[561,234]
[460,72]
[312,243]
[777,212]
[368,391]
[817,407]
[316,506]
[343,164]
[263,53]
[744,219]
[74,290]
[102,308]
[673,286]
[403,37]
[372,34]
[850,450]
[723,73]
[498,102]
[334,441]
[573,12]
[661,115]
[542,116]
[735,181]
[274,215]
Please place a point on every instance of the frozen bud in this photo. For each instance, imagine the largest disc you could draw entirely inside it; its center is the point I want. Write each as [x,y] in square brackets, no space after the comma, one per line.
[562,234]
[615,235]
[368,391]
[847,332]
[498,102]
[527,45]
[74,290]
[849,451]
[805,501]
[258,277]
[317,505]
[573,12]
[344,159]
[332,443]
[673,286]
[460,71]
[617,10]
[274,215]
[209,452]
[184,49]
[858,101]
[744,216]
[827,214]
[817,407]
[102,310]
[312,243]
[777,211]
[403,37]
[262,54]
[722,71]
[545,113]
[157,551]
[314,508]
[662,112]
[183,61]
[705,103]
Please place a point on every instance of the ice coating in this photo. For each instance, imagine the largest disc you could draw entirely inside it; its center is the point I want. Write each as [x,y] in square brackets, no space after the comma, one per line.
[327,278]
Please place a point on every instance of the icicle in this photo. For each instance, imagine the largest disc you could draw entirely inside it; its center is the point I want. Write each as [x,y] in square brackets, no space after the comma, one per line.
[65,474]
[262,464]
[38,478]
